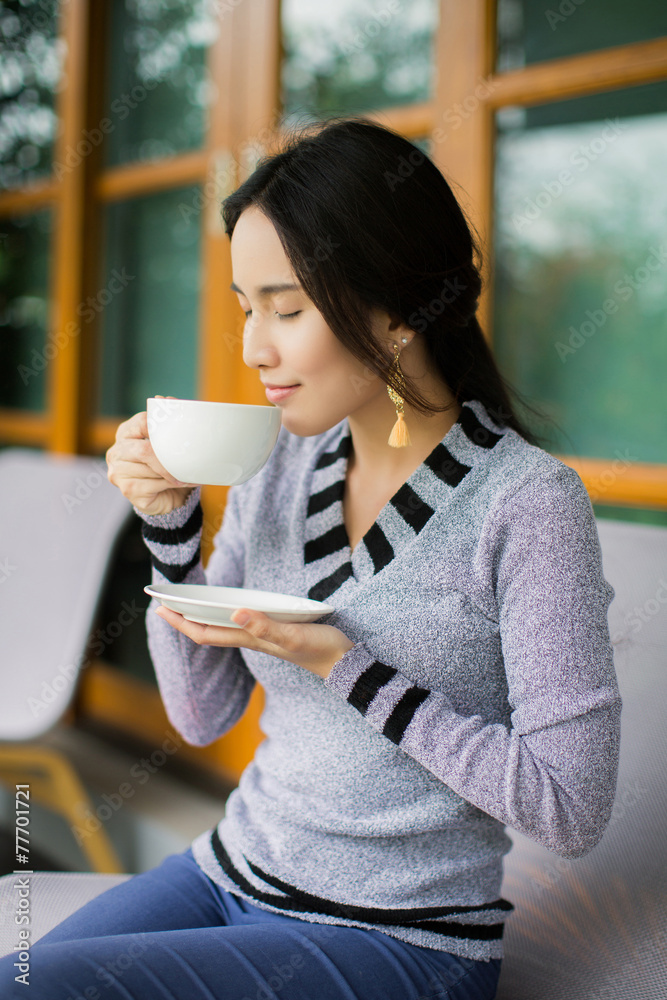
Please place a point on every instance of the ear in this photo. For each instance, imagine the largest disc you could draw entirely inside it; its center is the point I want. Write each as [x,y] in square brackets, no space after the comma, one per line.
[392,329]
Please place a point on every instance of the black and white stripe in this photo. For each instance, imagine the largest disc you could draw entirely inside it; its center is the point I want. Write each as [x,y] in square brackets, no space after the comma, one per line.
[425,918]
[326,497]
[327,557]
[447,468]
[379,547]
[369,683]
[328,543]
[414,511]
[328,560]
[367,686]
[175,551]
[342,451]
[403,712]
[323,589]
[475,430]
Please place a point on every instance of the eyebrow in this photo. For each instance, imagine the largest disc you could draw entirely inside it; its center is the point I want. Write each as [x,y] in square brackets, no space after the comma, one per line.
[267,290]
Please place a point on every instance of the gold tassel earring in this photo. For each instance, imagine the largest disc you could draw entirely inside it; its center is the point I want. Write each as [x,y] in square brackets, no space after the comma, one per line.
[399,437]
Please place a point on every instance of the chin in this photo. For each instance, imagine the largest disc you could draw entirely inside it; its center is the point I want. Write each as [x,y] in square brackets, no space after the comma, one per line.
[309,427]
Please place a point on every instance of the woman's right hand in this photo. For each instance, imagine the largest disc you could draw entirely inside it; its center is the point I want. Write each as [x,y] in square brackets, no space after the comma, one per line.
[134,469]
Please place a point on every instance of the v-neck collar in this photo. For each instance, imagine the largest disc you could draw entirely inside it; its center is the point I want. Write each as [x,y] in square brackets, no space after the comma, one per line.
[329,562]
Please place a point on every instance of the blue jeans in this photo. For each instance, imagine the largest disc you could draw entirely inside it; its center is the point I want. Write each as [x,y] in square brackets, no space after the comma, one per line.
[172,934]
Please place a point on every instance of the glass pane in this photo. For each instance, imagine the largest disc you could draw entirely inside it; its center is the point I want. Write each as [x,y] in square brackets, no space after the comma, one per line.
[24,282]
[158,89]
[530,32]
[349,56]
[581,272]
[150,301]
[31,62]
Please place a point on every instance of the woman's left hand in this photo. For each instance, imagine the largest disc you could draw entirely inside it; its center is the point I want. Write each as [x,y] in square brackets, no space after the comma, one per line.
[312,646]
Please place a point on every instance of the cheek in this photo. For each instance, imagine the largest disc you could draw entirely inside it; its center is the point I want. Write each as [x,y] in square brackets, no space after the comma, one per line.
[316,353]
[336,380]
[328,368]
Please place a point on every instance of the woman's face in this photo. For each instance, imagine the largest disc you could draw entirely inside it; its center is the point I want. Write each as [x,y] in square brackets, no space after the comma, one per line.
[298,349]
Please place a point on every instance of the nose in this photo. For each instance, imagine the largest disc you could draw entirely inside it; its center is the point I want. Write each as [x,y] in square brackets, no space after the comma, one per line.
[258,348]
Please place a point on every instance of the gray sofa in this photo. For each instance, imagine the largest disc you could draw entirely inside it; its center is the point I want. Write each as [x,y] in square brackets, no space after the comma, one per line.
[594,928]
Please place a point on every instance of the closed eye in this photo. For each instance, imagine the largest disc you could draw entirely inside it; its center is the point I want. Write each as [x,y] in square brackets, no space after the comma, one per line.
[248,313]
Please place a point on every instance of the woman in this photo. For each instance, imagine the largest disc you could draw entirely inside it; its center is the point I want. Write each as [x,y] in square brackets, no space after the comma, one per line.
[463,683]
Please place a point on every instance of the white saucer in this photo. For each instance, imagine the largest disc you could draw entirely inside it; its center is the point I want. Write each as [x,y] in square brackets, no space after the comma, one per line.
[216,605]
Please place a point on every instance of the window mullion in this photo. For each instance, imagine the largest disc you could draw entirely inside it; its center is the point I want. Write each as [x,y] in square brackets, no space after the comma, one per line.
[68,247]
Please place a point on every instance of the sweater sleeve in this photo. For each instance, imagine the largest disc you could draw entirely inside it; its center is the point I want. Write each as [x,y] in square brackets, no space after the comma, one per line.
[205,689]
[551,773]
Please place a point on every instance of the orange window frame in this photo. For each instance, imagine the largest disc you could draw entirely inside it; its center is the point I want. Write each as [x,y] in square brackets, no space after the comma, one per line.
[244,64]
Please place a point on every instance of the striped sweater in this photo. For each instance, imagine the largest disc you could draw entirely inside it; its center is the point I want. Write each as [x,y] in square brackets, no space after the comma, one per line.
[480,692]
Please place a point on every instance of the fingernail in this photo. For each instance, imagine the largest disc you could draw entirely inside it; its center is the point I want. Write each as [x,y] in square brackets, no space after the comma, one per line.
[241,617]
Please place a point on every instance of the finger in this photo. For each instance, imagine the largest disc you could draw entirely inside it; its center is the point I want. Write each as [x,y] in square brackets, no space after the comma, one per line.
[132,450]
[134,427]
[139,483]
[147,455]
[212,635]
[127,469]
[136,459]
[136,430]
[281,635]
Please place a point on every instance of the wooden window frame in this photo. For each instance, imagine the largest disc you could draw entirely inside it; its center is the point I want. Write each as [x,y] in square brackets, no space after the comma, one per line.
[247,86]
[244,64]
[466,44]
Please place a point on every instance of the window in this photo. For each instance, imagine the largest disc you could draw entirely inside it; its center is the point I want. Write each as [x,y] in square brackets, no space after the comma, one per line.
[530,33]
[112,167]
[581,268]
[352,57]
[150,289]
[24,293]
[123,124]
[32,71]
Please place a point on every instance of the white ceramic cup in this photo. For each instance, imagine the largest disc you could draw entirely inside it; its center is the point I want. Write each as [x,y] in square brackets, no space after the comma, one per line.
[221,444]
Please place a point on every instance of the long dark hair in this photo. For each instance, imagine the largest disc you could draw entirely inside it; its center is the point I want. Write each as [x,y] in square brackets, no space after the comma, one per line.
[367,221]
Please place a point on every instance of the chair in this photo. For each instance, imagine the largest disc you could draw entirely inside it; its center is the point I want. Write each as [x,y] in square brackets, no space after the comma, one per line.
[61,518]
[583,929]
[595,927]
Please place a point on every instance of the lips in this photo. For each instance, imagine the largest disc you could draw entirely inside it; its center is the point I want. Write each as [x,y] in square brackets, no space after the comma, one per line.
[276,393]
